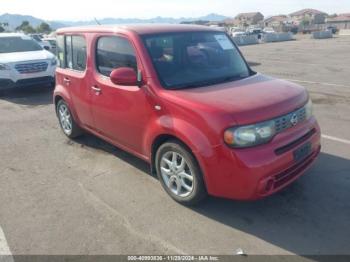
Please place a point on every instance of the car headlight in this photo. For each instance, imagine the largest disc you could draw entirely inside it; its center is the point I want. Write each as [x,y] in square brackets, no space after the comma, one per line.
[309,109]
[252,135]
[53,61]
[4,67]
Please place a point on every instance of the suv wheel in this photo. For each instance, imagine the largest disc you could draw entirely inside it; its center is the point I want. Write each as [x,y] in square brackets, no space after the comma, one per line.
[66,120]
[179,173]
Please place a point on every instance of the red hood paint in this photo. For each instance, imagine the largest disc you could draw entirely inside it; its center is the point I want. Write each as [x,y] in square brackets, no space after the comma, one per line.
[246,101]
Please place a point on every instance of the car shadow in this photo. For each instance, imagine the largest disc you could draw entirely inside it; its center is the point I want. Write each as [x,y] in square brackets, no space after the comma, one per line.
[309,217]
[29,96]
[91,141]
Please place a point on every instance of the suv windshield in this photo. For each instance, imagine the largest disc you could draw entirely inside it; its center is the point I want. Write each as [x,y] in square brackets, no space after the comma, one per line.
[18,44]
[194,59]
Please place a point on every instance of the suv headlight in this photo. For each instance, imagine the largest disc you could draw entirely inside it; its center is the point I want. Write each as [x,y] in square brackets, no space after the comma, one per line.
[309,109]
[53,61]
[4,67]
[252,135]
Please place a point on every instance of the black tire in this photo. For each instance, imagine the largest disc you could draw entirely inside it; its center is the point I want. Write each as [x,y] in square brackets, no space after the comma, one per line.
[199,191]
[75,130]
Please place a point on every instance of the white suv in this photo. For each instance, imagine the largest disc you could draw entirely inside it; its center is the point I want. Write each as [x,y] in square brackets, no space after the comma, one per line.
[23,62]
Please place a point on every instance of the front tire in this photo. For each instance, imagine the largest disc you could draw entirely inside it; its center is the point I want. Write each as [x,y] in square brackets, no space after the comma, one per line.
[66,120]
[179,173]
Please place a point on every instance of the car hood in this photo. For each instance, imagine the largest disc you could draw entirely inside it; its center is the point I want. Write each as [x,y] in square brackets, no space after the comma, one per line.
[25,56]
[251,100]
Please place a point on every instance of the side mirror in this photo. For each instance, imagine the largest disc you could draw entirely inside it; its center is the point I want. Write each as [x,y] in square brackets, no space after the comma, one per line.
[47,48]
[125,76]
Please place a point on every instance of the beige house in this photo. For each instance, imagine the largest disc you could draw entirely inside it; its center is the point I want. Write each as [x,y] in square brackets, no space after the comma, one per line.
[307,17]
[276,22]
[247,19]
[341,21]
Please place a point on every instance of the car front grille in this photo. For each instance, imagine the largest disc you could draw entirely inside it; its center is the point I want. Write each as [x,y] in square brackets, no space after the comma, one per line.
[292,119]
[29,68]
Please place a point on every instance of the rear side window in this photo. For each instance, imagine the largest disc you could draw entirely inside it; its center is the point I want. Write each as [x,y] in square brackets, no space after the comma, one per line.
[79,53]
[60,50]
[114,52]
[75,53]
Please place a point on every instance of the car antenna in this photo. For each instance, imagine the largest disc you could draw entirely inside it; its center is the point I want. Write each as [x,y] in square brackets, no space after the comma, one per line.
[97,22]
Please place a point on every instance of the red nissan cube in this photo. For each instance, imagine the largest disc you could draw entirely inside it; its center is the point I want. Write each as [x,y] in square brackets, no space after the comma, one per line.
[184,99]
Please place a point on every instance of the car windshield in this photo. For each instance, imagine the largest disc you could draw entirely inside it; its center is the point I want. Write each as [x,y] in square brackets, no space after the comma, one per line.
[18,44]
[195,59]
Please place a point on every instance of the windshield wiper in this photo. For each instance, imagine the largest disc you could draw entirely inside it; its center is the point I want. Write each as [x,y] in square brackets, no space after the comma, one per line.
[209,82]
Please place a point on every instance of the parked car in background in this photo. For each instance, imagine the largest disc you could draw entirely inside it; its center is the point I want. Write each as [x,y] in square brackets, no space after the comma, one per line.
[52,42]
[184,99]
[334,29]
[269,30]
[237,32]
[23,62]
[39,39]
[255,31]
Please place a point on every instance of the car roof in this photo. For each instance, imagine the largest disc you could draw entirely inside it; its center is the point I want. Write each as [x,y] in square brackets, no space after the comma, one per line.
[12,35]
[140,29]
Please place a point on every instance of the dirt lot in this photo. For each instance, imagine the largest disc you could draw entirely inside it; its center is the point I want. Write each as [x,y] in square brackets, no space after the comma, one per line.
[88,197]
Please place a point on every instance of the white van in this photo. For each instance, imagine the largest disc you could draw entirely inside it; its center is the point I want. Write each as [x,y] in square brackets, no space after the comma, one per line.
[23,62]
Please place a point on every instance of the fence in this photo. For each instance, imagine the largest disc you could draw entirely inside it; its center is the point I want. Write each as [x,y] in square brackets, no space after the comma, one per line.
[277,37]
[245,40]
[322,34]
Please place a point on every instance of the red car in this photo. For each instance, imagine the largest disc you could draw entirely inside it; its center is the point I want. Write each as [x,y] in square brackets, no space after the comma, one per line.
[184,99]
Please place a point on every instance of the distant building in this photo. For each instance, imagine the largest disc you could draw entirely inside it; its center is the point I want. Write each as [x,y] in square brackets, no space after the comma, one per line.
[248,19]
[308,17]
[276,22]
[341,21]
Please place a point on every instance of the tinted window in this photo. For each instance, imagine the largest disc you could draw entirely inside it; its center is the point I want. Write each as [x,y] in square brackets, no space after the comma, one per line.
[194,59]
[114,52]
[18,44]
[76,53]
[79,53]
[60,50]
[69,56]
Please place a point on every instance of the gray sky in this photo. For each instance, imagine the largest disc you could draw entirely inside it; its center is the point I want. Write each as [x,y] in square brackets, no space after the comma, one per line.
[87,9]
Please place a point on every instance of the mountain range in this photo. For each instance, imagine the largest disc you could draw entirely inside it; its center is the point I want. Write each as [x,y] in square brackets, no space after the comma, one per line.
[15,20]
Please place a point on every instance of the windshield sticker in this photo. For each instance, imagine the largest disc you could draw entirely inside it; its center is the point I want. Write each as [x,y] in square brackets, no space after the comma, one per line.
[224,42]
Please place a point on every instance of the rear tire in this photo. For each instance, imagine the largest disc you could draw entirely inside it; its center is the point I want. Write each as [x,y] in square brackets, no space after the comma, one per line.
[68,125]
[179,173]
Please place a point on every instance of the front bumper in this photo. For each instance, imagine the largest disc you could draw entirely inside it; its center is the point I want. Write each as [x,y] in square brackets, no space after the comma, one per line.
[253,173]
[37,81]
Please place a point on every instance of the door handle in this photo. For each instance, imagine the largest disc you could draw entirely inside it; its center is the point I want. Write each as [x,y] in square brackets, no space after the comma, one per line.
[66,80]
[96,89]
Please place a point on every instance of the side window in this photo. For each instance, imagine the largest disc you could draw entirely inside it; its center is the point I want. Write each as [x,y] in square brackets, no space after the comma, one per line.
[68,56]
[60,51]
[114,52]
[79,53]
[75,53]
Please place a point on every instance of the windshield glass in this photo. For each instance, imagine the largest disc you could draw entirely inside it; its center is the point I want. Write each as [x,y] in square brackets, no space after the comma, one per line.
[194,59]
[18,44]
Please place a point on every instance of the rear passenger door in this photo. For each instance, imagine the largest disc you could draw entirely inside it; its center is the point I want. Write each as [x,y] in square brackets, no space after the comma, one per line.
[73,73]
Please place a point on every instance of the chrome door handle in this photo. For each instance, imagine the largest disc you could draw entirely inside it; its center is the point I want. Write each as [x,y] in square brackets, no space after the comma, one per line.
[96,89]
[66,80]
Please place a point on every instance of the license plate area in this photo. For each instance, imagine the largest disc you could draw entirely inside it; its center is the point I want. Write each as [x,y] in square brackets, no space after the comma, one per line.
[302,152]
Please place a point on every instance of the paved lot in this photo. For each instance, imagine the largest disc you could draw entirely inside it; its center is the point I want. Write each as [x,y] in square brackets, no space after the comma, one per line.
[87,197]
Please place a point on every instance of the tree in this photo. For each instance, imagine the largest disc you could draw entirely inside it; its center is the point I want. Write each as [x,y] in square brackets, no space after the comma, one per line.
[44,28]
[2,29]
[26,28]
